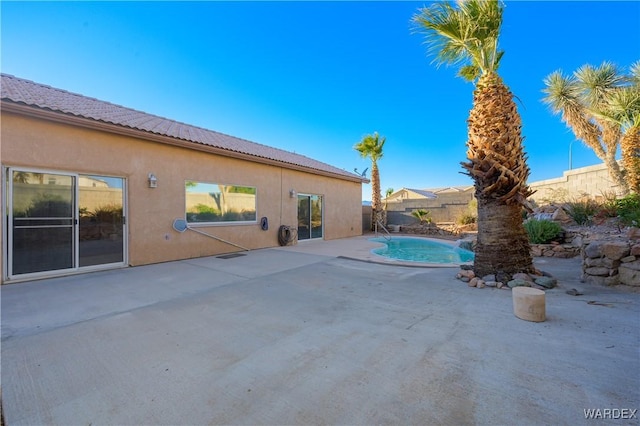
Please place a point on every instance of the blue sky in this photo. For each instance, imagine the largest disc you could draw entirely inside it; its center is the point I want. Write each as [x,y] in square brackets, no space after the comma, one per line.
[315,77]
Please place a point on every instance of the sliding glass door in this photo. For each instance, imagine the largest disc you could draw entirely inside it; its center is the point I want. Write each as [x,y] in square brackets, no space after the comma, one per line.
[62,221]
[310,224]
[101,224]
[42,236]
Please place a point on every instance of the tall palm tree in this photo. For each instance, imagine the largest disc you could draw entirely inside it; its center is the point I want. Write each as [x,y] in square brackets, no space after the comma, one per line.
[466,34]
[371,147]
[583,100]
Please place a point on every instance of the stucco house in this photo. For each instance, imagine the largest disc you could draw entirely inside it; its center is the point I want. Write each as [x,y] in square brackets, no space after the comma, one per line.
[91,185]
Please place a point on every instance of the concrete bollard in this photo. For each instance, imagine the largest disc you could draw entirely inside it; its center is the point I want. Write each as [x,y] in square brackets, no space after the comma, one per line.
[529,304]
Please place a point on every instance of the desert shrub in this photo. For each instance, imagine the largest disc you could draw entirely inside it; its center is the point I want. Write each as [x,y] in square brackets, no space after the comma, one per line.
[203,213]
[470,216]
[629,210]
[608,207]
[111,213]
[48,205]
[542,231]
[467,219]
[582,211]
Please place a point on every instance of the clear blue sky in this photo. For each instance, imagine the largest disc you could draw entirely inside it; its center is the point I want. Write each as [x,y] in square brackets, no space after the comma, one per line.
[315,77]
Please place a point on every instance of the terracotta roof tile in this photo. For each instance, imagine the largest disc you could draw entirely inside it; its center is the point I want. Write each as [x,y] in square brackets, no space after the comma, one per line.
[17,90]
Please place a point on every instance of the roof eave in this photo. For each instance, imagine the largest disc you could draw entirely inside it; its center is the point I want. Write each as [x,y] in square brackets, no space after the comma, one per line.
[79,121]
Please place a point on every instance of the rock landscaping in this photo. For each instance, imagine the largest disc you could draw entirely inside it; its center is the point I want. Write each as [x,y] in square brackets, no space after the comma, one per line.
[537,280]
[610,254]
[612,260]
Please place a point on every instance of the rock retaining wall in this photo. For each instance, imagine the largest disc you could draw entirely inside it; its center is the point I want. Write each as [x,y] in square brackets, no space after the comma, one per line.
[611,262]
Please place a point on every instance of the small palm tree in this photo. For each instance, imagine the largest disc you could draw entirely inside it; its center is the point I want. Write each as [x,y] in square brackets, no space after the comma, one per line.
[387,194]
[466,34]
[422,215]
[371,147]
[584,101]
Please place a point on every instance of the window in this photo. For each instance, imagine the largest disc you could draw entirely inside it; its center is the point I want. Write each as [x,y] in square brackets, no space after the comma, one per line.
[215,203]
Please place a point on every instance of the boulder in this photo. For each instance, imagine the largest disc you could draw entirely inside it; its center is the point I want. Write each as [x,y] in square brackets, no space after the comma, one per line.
[603,281]
[629,275]
[546,282]
[467,273]
[594,249]
[561,216]
[598,271]
[519,283]
[522,276]
[615,250]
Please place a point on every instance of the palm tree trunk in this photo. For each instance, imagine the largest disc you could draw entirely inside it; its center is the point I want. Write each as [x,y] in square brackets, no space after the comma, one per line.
[630,147]
[497,164]
[503,244]
[376,199]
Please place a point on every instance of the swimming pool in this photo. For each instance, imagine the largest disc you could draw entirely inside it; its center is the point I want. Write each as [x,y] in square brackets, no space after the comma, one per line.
[421,250]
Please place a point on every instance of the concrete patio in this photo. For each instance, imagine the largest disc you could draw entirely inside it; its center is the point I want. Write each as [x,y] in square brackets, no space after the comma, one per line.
[301,335]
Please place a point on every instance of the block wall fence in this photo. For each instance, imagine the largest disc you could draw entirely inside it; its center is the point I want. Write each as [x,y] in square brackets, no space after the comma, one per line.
[593,181]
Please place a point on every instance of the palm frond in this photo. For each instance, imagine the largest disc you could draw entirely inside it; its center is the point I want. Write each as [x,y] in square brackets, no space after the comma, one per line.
[371,146]
[469,72]
[463,35]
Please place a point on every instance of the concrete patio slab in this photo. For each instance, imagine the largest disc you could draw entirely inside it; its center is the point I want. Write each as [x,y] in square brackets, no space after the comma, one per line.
[298,335]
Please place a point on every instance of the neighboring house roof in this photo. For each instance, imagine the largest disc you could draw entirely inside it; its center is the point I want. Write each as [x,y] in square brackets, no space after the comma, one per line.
[417,193]
[450,189]
[27,97]
[422,192]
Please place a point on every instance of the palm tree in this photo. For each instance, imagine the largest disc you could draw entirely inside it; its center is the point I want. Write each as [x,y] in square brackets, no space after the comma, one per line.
[583,100]
[385,216]
[467,35]
[371,147]
[422,215]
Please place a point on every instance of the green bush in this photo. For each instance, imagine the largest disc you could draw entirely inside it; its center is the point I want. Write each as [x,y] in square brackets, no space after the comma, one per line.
[629,210]
[542,231]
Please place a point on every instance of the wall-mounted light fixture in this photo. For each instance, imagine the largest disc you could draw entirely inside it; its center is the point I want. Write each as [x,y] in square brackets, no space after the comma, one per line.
[153,181]
[293,193]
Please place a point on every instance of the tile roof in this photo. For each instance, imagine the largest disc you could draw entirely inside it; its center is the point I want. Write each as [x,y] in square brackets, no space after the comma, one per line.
[424,193]
[21,91]
[449,189]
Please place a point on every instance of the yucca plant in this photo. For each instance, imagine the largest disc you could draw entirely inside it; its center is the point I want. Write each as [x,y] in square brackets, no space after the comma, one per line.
[466,34]
[601,105]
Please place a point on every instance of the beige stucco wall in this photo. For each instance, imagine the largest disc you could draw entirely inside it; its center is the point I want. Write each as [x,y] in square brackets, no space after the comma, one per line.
[39,144]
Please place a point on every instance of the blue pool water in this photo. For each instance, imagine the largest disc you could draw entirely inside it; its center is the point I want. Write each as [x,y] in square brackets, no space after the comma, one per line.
[421,250]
